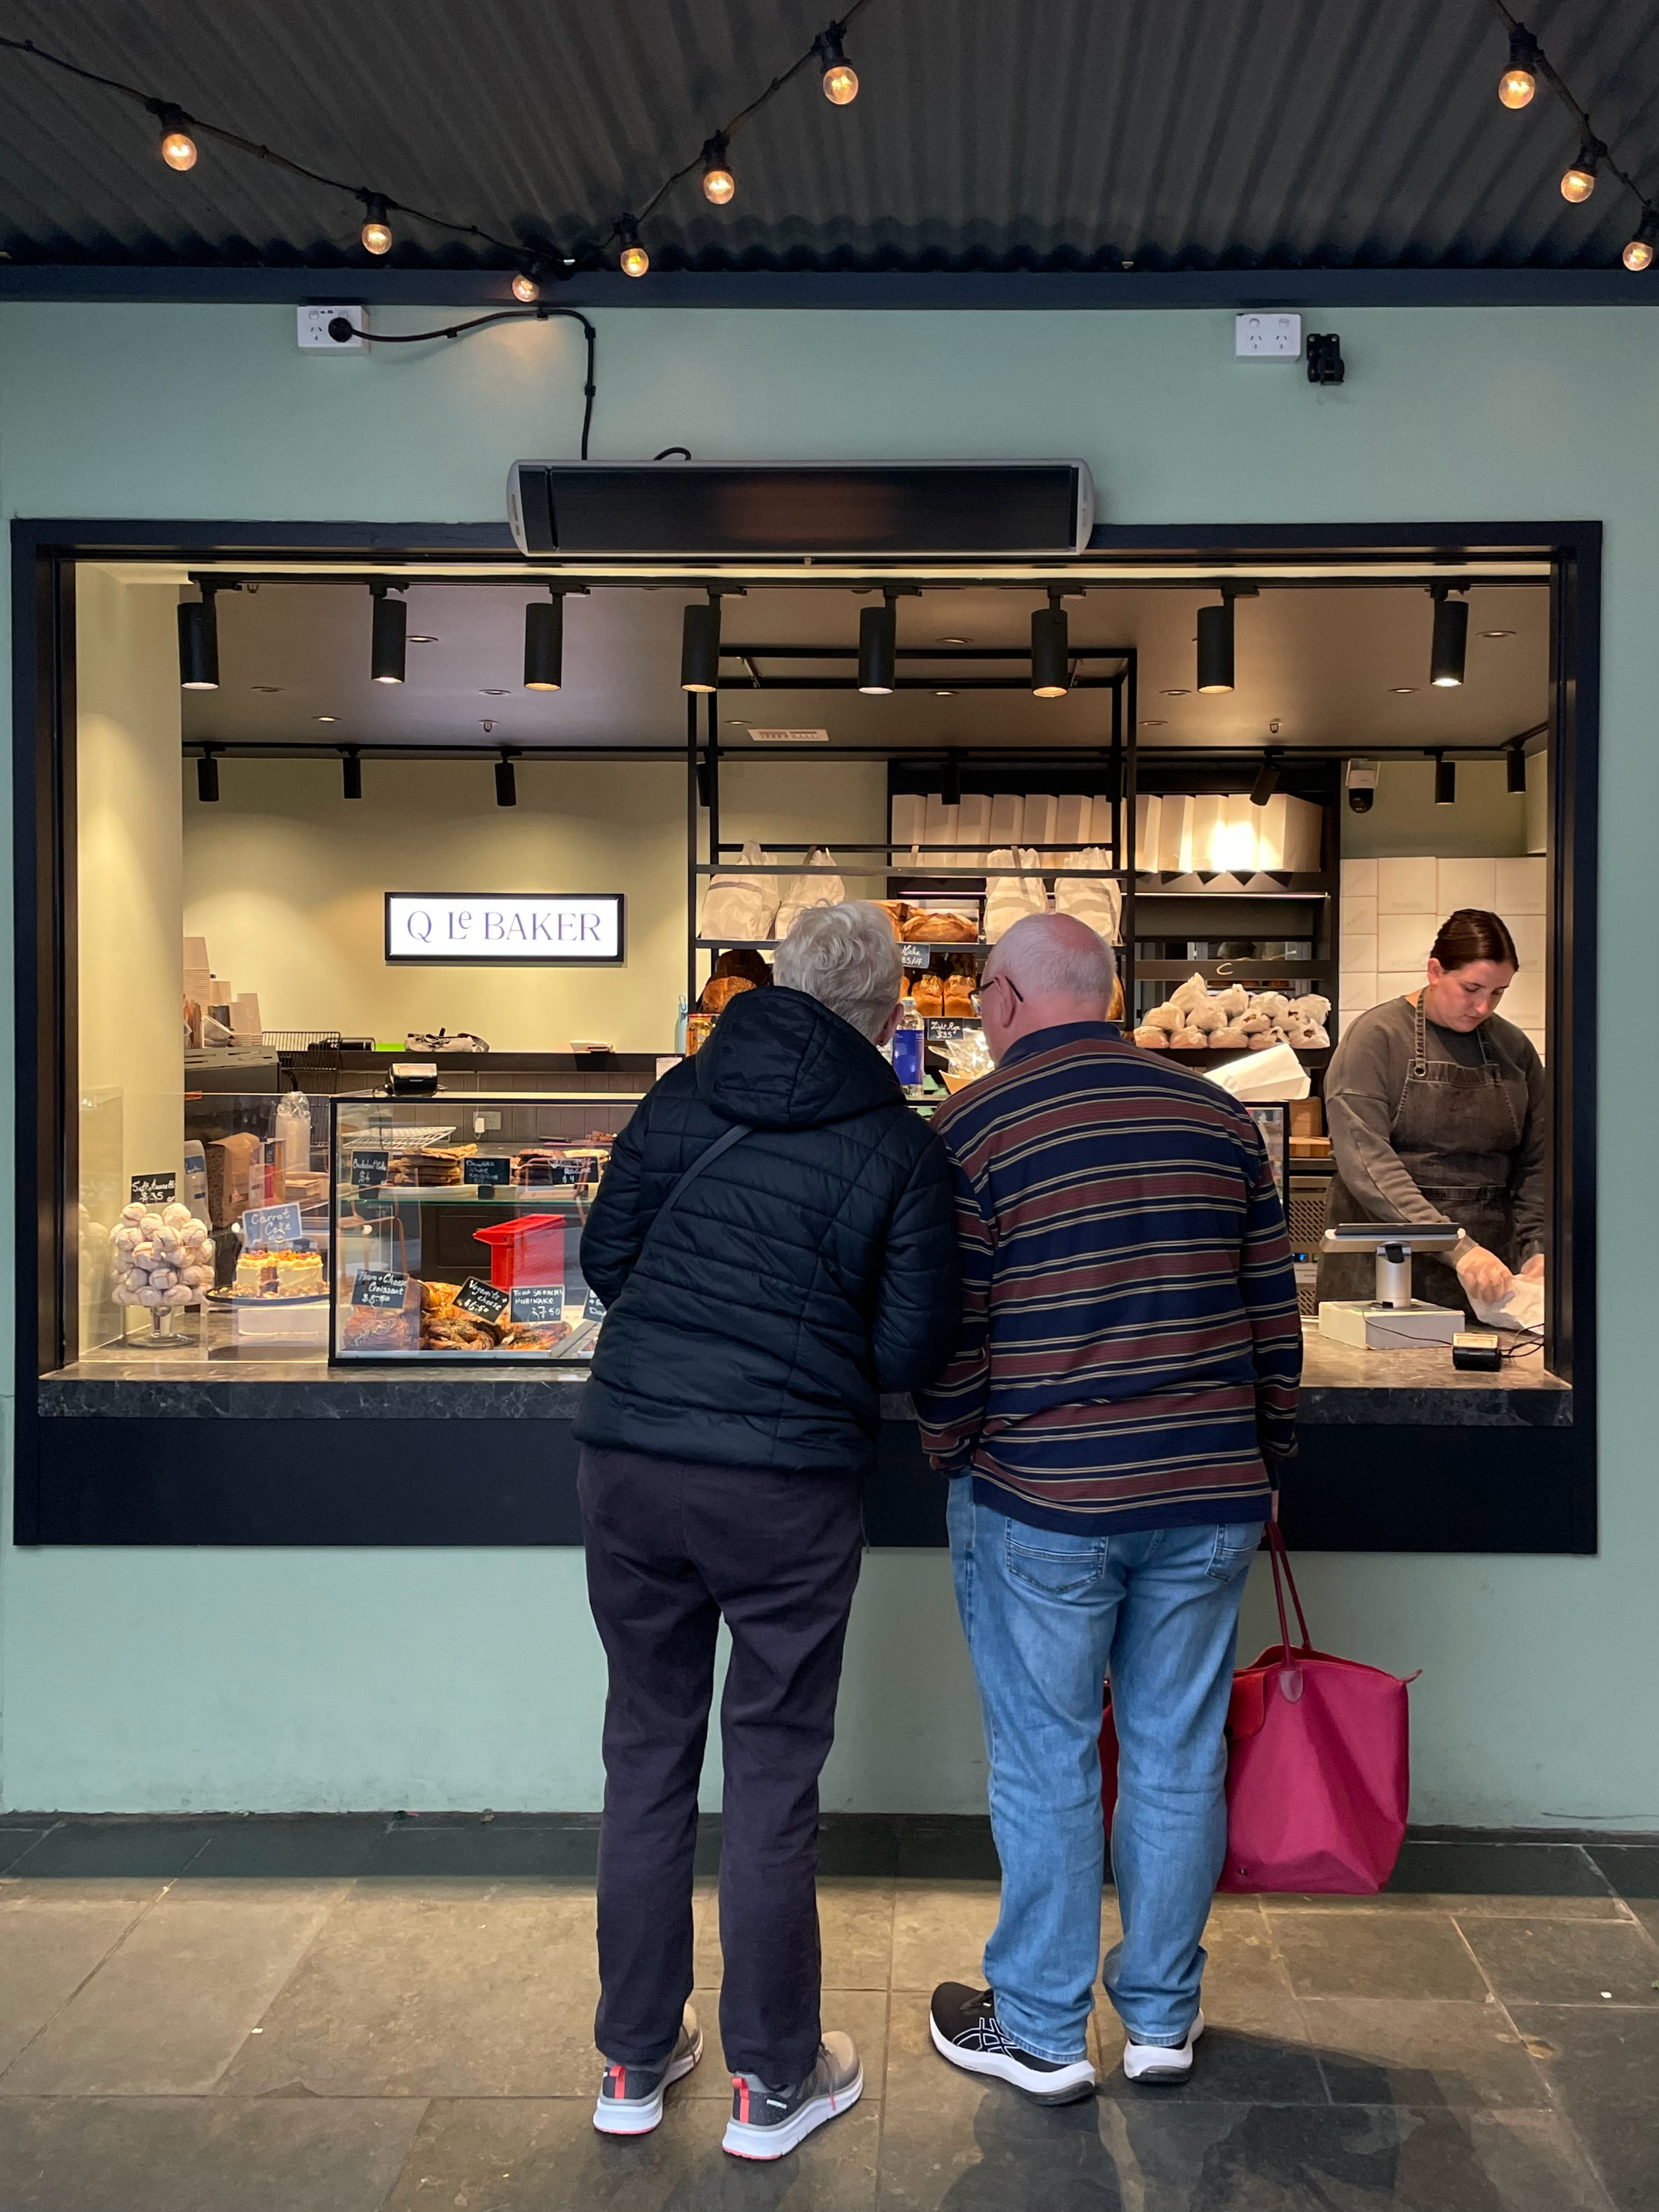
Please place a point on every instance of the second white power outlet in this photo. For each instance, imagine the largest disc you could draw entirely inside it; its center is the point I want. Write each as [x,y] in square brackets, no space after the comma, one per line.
[333,330]
[1267,337]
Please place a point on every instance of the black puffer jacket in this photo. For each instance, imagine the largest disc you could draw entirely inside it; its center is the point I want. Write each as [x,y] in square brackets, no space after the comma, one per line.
[811,1268]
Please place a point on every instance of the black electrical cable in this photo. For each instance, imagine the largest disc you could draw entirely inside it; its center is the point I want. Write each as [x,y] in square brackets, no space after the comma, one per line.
[538,313]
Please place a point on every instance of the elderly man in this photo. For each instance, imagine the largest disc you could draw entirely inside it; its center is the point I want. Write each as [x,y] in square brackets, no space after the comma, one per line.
[775,1245]
[1125,1385]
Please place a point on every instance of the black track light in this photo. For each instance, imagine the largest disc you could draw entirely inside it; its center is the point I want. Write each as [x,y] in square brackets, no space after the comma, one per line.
[1051,649]
[507,788]
[1445,781]
[1451,638]
[207,777]
[700,645]
[878,646]
[1215,647]
[351,774]
[1515,772]
[1266,779]
[198,642]
[543,644]
[387,652]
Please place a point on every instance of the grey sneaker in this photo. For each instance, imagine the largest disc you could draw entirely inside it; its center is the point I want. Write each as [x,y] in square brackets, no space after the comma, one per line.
[631,2097]
[766,2123]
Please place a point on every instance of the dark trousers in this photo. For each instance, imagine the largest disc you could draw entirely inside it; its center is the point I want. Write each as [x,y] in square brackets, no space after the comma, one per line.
[672,1548]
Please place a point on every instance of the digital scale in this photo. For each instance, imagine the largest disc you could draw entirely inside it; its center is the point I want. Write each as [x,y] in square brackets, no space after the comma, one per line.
[1393,1320]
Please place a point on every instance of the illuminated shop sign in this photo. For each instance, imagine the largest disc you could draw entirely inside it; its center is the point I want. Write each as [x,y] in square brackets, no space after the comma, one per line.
[452,929]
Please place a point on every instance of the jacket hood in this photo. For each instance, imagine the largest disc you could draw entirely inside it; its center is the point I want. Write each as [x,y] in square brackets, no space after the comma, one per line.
[780,1060]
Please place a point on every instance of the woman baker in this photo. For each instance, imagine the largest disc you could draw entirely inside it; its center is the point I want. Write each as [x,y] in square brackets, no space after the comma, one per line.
[1436,1109]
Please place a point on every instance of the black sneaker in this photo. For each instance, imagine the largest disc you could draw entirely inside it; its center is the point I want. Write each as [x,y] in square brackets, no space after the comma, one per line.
[631,2097]
[768,2122]
[966,2031]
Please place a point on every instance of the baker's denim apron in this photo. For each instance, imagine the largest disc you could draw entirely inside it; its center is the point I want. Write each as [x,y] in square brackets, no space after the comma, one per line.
[1455,1131]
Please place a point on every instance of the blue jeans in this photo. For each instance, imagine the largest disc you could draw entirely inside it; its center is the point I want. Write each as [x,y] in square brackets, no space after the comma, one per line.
[1048,1615]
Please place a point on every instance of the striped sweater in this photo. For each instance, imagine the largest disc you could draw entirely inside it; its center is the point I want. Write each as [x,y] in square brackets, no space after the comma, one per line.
[1130,1345]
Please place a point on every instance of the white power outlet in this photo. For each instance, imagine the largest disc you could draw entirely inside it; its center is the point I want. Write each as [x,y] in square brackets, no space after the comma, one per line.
[319,329]
[1267,337]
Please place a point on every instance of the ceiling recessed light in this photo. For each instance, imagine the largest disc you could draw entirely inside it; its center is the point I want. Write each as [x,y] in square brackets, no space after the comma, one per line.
[489,691]
[945,695]
[326,718]
[1497,633]
[421,640]
[267,687]
[1153,724]
[1402,691]
[1177,691]
[956,641]
[734,723]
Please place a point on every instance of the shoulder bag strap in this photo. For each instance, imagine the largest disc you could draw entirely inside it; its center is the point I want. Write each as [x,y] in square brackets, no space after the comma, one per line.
[707,1157]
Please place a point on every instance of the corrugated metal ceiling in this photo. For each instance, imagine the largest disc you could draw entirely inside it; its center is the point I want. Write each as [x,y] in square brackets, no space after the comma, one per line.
[989,134]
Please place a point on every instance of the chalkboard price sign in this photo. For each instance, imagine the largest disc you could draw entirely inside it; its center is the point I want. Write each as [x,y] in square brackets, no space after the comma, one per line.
[368,1169]
[486,1167]
[270,1228]
[593,1308]
[915,956]
[387,1292]
[538,1302]
[154,1189]
[481,1300]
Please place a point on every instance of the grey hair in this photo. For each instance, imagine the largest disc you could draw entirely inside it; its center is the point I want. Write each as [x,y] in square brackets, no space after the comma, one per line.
[1056,956]
[847,957]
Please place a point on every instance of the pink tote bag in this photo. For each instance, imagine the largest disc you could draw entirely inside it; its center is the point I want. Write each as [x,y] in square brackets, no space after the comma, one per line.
[1318,1766]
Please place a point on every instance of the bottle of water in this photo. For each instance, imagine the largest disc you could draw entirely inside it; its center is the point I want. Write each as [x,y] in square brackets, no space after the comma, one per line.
[909,1050]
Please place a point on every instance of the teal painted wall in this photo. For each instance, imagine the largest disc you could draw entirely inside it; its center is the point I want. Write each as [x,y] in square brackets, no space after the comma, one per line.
[162,1679]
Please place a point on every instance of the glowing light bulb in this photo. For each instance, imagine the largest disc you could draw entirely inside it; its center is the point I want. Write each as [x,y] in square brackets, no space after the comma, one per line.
[526,287]
[1579,182]
[1516,87]
[376,233]
[635,258]
[841,79]
[1639,254]
[179,150]
[719,184]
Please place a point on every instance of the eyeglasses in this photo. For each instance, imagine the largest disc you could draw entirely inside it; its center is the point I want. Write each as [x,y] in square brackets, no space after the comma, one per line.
[1008,985]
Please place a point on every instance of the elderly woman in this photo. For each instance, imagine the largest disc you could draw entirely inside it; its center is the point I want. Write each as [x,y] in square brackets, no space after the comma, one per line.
[755,1315]
[1436,1112]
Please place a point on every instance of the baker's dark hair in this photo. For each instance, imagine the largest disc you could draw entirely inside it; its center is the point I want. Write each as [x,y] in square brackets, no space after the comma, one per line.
[1472,933]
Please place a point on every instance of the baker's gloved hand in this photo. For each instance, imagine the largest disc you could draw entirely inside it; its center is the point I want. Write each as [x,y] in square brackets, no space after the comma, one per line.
[1534,1270]
[1483,1274]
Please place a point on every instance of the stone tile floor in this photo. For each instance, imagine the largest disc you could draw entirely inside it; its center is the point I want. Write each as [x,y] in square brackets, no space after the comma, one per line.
[332,2015]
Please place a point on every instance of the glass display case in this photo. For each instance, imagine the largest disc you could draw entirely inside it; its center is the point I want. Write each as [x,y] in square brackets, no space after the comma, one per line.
[455,1225]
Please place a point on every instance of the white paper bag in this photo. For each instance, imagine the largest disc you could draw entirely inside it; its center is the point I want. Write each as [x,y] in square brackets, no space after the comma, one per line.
[807,892]
[1097,900]
[1009,899]
[1275,1073]
[735,908]
[1520,1307]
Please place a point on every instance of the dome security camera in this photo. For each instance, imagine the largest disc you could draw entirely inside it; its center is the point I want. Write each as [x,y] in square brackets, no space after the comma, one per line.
[1362,779]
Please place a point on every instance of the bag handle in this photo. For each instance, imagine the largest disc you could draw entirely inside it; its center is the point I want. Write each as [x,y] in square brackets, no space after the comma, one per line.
[705,1159]
[1281,1557]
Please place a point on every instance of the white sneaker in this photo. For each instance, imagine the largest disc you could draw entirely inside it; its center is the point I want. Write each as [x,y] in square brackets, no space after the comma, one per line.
[768,2122]
[631,2097]
[1161,2062]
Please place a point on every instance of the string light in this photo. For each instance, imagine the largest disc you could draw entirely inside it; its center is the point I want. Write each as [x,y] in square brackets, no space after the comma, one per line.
[1516,87]
[719,184]
[841,79]
[635,258]
[1579,181]
[376,233]
[178,146]
[1517,84]
[526,287]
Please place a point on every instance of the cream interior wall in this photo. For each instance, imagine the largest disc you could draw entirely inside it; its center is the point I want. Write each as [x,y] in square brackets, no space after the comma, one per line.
[129,887]
[1486,820]
[286,881]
